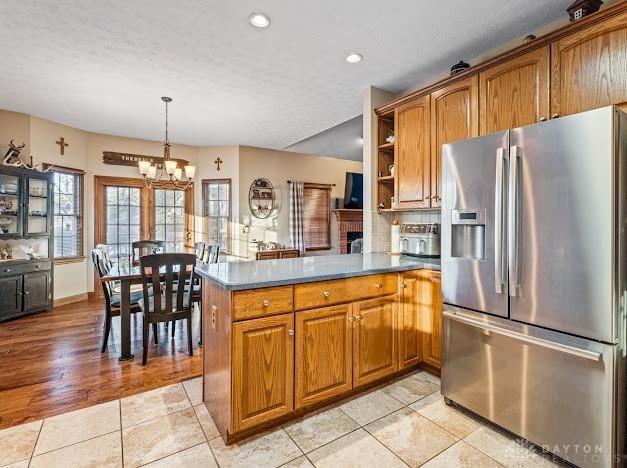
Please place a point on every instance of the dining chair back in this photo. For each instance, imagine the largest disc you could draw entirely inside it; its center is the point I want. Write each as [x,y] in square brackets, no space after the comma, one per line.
[212,253]
[102,265]
[146,247]
[199,250]
[170,273]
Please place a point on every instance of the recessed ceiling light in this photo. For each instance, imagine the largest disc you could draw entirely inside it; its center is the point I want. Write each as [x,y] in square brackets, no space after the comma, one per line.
[354,58]
[259,20]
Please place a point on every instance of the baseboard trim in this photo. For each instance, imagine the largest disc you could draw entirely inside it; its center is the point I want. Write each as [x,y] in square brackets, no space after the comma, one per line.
[70,300]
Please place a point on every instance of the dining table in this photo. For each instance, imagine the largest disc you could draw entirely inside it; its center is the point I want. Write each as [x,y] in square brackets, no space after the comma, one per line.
[126,275]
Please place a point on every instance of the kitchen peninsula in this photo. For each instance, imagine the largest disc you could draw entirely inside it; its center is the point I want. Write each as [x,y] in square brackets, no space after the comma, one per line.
[284,337]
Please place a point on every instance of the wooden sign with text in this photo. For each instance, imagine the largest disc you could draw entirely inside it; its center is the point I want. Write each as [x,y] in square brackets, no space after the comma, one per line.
[128,159]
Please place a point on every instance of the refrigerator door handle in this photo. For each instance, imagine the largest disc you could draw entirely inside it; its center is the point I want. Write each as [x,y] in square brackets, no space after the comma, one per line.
[513,223]
[489,328]
[499,205]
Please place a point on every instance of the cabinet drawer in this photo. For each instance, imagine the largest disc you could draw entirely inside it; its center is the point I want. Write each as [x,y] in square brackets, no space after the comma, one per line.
[21,268]
[312,295]
[262,302]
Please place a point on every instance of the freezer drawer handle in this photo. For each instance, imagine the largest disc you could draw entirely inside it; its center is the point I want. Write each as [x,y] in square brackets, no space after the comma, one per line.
[584,353]
[499,257]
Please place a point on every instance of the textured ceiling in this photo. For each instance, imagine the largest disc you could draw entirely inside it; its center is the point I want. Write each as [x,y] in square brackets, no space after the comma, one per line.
[101,65]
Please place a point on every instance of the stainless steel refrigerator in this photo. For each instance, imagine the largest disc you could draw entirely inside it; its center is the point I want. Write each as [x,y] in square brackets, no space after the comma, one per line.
[534,252]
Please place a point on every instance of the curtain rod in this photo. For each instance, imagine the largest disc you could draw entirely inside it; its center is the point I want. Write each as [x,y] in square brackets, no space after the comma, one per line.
[313,183]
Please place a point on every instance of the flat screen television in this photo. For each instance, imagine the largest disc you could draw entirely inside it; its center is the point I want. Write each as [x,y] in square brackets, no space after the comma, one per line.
[354,191]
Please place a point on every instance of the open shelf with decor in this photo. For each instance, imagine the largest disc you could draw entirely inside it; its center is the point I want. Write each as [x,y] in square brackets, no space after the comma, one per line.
[386,157]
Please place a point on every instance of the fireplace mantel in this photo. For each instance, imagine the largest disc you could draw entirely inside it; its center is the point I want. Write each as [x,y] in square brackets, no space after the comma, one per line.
[348,221]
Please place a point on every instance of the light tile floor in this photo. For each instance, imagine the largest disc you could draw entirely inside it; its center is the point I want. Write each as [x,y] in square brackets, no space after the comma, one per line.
[405,423]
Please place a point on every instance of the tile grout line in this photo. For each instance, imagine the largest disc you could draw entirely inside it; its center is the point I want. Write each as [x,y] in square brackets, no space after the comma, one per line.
[160,416]
[203,432]
[166,456]
[121,433]
[32,452]
[297,446]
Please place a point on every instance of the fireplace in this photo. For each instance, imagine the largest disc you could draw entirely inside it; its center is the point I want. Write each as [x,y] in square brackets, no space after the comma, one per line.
[350,227]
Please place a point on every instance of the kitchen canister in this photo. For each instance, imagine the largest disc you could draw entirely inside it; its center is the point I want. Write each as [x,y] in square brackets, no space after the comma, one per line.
[395,244]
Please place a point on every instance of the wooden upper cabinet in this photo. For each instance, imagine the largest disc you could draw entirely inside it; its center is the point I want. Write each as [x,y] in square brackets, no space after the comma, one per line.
[515,93]
[262,370]
[324,354]
[454,116]
[589,68]
[412,163]
[374,340]
[430,313]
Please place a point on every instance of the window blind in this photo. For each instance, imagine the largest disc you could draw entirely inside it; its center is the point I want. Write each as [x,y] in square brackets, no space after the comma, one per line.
[317,216]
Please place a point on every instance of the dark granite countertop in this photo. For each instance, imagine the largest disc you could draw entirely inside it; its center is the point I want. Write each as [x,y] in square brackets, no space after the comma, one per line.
[266,273]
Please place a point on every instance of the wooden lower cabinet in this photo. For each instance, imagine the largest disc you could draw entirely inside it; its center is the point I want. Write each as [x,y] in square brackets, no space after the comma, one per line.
[429,306]
[409,337]
[323,354]
[262,370]
[374,340]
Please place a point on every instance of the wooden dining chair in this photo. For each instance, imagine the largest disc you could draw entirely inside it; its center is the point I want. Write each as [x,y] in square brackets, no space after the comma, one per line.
[199,250]
[211,254]
[113,301]
[146,247]
[169,272]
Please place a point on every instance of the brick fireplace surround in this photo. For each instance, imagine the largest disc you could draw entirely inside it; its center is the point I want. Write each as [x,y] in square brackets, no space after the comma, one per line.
[348,221]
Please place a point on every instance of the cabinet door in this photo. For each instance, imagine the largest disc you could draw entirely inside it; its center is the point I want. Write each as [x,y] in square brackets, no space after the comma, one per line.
[412,166]
[36,291]
[374,340]
[10,296]
[38,206]
[408,322]
[263,370]
[430,313]
[515,93]
[589,68]
[323,354]
[10,205]
[454,116]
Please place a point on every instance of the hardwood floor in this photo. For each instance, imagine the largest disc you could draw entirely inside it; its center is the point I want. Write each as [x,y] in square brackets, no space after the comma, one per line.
[51,363]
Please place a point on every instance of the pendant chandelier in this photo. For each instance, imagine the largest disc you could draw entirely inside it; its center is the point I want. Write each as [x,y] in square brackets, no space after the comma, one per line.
[168,174]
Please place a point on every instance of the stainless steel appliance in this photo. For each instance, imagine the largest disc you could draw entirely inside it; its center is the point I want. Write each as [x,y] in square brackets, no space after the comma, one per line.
[420,240]
[534,253]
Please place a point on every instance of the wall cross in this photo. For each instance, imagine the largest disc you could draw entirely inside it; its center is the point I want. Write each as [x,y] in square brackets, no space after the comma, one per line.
[217,162]
[62,144]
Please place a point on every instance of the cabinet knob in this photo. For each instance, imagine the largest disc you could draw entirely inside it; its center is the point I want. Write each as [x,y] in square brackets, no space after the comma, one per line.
[326,294]
[403,285]
[358,317]
[351,319]
[378,285]
[542,119]
[290,332]
[37,266]
[266,302]
[7,270]
[555,116]
[27,292]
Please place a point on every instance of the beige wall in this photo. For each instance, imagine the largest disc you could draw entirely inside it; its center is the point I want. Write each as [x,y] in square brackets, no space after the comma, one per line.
[241,164]
[14,126]
[229,169]
[279,167]
[85,153]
